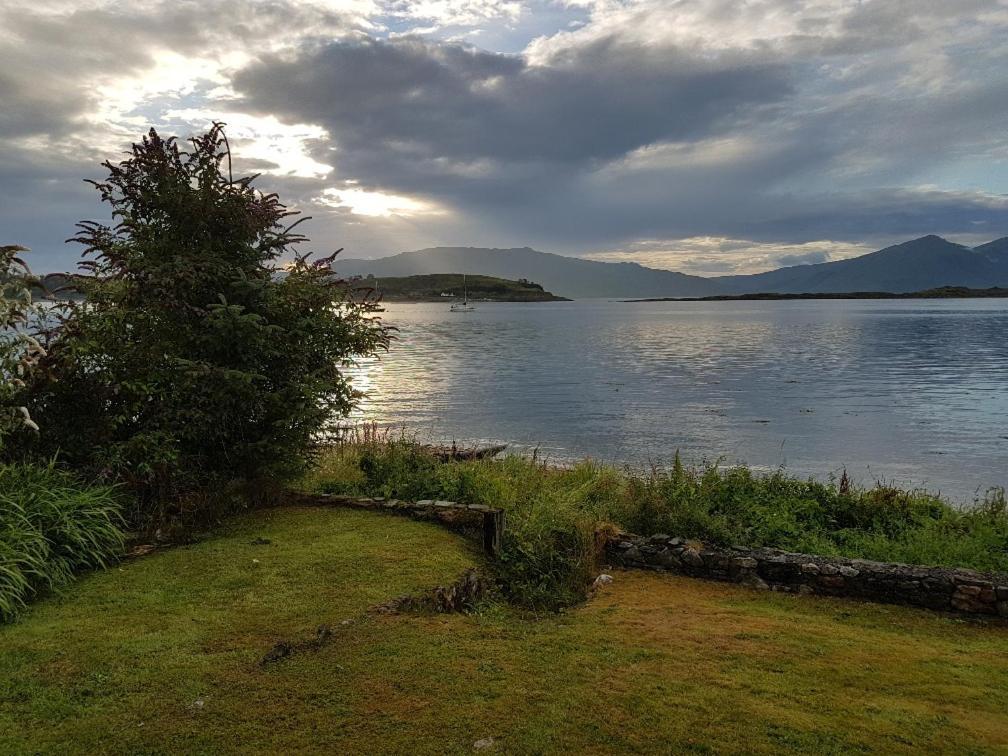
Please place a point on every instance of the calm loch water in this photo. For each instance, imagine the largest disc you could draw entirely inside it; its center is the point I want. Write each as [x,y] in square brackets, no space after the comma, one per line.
[914,392]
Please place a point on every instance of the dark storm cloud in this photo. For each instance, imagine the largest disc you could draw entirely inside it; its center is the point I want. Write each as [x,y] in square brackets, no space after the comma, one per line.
[426,100]
[41,197]
[29,109]
[893,212]
[542,147]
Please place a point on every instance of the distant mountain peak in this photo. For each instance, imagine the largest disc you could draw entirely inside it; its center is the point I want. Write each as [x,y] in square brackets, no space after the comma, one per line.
[928,262]
[566,276]
[928,242]
[996,250]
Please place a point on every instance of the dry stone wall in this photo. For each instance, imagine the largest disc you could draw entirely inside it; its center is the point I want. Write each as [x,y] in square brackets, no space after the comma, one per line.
[955,590]
[451,513]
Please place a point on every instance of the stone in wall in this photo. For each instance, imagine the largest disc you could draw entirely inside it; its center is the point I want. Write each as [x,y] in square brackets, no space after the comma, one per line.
[488,520]
[955,590]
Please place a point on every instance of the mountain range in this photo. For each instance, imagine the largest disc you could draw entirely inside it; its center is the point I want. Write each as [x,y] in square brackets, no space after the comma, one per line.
[573,276]
[925,263]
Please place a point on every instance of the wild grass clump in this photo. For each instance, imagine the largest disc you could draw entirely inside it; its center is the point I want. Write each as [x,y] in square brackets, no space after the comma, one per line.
[550,550]
[734,505]
[51,527]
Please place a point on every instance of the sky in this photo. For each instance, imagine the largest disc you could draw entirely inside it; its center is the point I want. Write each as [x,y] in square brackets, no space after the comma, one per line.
[707,136]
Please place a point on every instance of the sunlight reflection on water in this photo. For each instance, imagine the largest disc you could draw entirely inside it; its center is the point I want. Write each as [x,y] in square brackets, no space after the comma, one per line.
[911,391]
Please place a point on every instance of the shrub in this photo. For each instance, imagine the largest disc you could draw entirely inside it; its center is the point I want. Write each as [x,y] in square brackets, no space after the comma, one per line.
[193,362]
[51,527]
[19,350]
[548,551]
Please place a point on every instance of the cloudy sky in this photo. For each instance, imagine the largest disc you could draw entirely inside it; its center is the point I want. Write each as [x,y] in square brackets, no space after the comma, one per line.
[708,136]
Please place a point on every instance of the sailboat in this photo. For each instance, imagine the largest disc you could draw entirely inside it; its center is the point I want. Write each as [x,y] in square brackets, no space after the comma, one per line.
[464,305]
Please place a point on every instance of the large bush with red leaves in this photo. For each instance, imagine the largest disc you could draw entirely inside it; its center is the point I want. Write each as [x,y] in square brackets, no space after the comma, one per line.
[195,359]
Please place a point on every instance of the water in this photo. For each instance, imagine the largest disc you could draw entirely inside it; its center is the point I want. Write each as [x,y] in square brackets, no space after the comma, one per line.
[914,392]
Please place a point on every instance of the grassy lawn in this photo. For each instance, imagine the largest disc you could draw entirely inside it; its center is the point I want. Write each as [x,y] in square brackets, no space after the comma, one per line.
[652,664]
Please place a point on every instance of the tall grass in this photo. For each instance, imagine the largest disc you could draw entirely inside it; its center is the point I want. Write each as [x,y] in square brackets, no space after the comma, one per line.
[51,527]
[550,551]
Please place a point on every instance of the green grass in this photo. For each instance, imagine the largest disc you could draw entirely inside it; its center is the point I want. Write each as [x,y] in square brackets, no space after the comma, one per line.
[552,514]
[652,664]
[51,527]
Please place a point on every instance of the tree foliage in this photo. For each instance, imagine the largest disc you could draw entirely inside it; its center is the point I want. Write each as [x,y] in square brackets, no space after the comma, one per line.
[19,350]
[194,358]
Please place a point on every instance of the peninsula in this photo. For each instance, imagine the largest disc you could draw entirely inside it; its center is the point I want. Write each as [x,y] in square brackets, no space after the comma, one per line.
[439,287]
[942,292]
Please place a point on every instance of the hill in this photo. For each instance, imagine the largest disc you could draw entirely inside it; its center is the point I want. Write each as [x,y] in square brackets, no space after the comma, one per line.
[441,286]
[996,250]
[55,286]
[567,276]
[926,263]
[930,262]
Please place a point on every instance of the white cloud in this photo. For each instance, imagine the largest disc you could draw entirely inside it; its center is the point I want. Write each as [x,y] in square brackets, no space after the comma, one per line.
[264,139]
[714,256]
[686,155]
[454,12]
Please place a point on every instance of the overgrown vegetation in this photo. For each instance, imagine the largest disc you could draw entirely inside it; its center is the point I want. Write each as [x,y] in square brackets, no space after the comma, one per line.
[194,364]
[550,550]
[51,527]
[19,350]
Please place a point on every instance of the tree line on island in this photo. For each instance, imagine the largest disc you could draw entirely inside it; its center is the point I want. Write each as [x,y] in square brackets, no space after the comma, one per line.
[435,287]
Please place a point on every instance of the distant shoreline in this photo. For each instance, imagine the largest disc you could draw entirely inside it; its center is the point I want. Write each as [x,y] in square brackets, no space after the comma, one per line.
[450,287]
[944,292]
[478,300]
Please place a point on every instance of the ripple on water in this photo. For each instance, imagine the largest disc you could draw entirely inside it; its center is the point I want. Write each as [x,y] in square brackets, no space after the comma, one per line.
[913,391]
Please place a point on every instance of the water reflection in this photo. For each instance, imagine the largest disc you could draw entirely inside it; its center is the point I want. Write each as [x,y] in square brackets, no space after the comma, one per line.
[911,391]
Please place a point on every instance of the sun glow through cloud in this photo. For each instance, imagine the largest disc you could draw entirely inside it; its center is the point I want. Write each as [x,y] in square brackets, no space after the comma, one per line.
[266,139]
[372,203]
[714,256]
